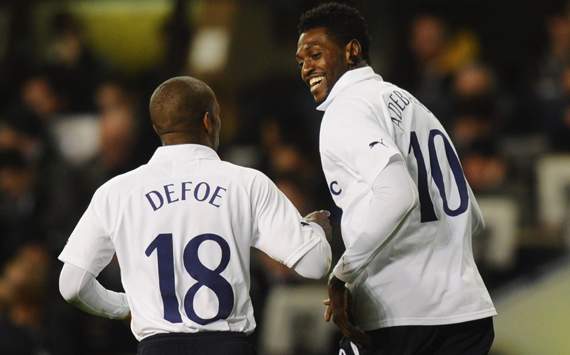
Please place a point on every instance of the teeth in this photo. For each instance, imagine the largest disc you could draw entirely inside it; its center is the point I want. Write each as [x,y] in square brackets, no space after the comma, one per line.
[316,80]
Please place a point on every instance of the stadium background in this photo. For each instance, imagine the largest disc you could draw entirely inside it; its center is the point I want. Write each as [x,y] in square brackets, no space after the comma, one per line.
[75,82]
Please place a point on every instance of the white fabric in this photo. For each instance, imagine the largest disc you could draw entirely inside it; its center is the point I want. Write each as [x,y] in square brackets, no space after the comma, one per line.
[392,193]
[311,264]
[154,214]
[425,274]
[79,287]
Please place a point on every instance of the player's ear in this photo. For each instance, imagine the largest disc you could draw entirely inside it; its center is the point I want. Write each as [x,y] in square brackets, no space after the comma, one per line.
[353,52]
[207,122]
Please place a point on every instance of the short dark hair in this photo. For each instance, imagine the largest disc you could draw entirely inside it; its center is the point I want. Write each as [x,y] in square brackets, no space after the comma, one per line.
[344,23]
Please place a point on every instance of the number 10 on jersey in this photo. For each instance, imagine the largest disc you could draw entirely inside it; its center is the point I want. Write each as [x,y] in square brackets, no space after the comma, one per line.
[204,277]
[427,211]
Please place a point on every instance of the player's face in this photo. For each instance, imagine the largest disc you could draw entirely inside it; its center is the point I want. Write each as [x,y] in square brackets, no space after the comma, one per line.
[321,62]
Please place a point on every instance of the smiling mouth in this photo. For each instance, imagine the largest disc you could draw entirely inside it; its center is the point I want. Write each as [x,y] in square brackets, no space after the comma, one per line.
[316,82]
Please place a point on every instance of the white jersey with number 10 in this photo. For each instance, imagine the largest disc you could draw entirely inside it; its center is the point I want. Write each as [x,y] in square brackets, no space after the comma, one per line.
[425,274]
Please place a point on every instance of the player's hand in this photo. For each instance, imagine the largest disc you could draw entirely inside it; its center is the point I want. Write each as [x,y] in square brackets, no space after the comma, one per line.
[322,219]
[337,308]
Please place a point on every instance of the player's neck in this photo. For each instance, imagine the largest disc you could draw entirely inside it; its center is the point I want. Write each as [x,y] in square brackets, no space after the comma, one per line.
[180,138]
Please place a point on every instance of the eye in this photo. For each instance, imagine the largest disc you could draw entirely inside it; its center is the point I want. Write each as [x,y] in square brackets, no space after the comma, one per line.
[300,64]
[316,56]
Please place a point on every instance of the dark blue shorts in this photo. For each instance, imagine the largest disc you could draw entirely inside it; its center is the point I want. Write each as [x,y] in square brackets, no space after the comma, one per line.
[205,343]
[468,338]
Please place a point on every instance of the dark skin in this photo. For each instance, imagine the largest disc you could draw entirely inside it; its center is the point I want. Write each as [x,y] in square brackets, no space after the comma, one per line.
[322,61]
[184,110]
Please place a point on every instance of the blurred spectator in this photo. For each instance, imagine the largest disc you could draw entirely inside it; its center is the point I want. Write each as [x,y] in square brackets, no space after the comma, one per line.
[485,168]
[111,94]
[72,63]
[426,76]
[556,58]
[20,203]
[118,140]
[556,114]
[476,110]
[476,125]
[27,325]
[435,53]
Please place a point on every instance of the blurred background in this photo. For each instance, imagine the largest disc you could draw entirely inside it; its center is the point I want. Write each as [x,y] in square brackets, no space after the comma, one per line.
[75,82]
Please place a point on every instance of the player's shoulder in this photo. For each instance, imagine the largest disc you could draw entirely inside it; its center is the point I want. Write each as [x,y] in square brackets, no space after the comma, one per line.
[394,96]
[346,112]
[242,173]
[122,182]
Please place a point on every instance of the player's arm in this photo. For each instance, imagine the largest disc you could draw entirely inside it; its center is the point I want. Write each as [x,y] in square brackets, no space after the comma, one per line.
[375,218]
[87,252]
[361,145]
[80,288]
[281,232]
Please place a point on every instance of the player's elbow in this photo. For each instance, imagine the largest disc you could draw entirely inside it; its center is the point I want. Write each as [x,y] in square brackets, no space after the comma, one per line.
[410,197]
[68,288]
[315,273]
[315,264]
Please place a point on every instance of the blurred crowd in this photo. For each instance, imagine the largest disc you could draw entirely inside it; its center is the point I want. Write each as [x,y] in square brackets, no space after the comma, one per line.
[70,120]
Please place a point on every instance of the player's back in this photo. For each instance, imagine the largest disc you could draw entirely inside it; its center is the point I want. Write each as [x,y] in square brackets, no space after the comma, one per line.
[182,227]
[432,248]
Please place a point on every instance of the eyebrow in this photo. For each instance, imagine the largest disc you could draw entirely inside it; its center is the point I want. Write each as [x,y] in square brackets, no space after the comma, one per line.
[306,47]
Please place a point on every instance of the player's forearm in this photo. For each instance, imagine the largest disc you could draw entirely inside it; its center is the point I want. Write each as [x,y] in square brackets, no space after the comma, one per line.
[80,288]
[317,261]
[390,200]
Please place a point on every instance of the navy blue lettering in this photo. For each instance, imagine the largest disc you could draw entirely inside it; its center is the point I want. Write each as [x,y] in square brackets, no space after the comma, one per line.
[197,191]
[184,189]
[402,97]
[395,100]
[333,190]
[169,192]
[150,200]
[216,194]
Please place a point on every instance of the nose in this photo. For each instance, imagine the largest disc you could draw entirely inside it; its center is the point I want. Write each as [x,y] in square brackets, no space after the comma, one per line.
[307,68]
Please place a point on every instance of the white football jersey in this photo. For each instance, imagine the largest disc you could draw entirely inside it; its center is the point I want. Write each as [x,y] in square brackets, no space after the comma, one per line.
[425,274]
[182,227]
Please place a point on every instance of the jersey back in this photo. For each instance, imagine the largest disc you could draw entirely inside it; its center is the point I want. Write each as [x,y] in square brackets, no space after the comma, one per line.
[182,229]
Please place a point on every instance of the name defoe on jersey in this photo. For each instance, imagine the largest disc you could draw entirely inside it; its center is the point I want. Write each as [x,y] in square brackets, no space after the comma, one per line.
[172,193]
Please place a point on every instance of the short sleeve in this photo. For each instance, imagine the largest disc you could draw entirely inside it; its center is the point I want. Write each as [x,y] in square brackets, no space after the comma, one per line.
[281,232]
[355,137]
[90,246]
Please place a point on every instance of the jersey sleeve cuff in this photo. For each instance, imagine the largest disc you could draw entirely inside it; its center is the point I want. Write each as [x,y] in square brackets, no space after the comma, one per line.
[65,258]
[347,277]
[310,244]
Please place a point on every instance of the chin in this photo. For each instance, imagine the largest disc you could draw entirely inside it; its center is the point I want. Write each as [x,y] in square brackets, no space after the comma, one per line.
[319,97]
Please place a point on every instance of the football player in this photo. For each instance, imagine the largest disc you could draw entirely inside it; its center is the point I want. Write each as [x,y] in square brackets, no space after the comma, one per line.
[181,227]
[408,212]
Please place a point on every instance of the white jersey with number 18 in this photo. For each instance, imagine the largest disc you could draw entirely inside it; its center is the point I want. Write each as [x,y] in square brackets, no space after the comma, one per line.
[182,227]
[424,274]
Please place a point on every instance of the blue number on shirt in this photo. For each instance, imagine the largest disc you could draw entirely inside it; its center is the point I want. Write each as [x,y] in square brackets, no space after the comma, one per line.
[427,211]
[203,275]
[209,278]
[163,245]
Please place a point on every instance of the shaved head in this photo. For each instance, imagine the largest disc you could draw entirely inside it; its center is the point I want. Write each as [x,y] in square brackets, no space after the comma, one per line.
[179,109]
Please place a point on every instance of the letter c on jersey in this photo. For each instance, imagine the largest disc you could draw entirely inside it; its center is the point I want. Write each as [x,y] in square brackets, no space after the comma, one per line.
[334,190]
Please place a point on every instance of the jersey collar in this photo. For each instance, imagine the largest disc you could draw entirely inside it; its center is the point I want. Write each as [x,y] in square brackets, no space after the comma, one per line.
[184,152]
[347,79]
